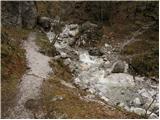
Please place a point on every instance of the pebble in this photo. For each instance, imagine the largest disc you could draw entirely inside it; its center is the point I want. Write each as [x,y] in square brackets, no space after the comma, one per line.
[106,45]
[109,52]
[57,98]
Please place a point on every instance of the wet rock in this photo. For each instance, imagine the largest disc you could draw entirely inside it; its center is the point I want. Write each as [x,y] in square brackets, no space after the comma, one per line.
[73,26]
[139,111]
[137,101]
[155,79]
[95,52]
[67,61]
[73,33]
[44,22]
[122,92]
[69,31]
[119,67]
[51,36]
[153,116]
[63,55]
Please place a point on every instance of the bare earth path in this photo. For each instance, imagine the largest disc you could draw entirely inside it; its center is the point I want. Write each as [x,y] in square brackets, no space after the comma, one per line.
[31,82]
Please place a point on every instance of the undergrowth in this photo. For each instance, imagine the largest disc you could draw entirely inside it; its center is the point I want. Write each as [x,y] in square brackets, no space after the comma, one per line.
[13,64]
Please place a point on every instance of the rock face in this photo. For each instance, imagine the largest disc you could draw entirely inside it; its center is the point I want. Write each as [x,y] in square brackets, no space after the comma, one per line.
[44,22]
[29,14]
[23,14]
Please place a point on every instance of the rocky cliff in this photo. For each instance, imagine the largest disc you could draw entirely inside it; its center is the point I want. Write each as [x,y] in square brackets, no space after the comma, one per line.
[16,13]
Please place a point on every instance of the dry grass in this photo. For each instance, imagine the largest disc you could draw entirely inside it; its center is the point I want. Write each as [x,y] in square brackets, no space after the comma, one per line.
[144,54]
[45,46]
[13,64]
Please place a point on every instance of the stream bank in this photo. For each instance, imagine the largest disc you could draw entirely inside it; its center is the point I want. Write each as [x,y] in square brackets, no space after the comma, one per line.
[96,75]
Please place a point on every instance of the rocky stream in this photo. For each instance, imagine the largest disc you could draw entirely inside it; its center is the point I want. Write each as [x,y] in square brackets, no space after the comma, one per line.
[106,75]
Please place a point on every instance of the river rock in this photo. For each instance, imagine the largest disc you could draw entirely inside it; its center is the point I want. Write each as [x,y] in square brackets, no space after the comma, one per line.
[153,116]
[95,52]
[73,32]
[139,111]
[73,26]
[119,67]
[137,101]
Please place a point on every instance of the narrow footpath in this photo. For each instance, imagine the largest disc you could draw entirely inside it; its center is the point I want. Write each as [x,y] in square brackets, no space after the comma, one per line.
[32,80]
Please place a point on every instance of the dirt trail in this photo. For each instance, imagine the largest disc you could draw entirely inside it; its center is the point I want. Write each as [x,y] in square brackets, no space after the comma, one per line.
[30,86]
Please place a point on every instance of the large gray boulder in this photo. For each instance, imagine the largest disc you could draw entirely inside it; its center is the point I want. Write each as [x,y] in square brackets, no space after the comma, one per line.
[119,67]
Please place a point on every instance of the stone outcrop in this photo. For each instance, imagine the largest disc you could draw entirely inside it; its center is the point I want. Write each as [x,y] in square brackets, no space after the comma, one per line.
[18,13]
[44,22]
